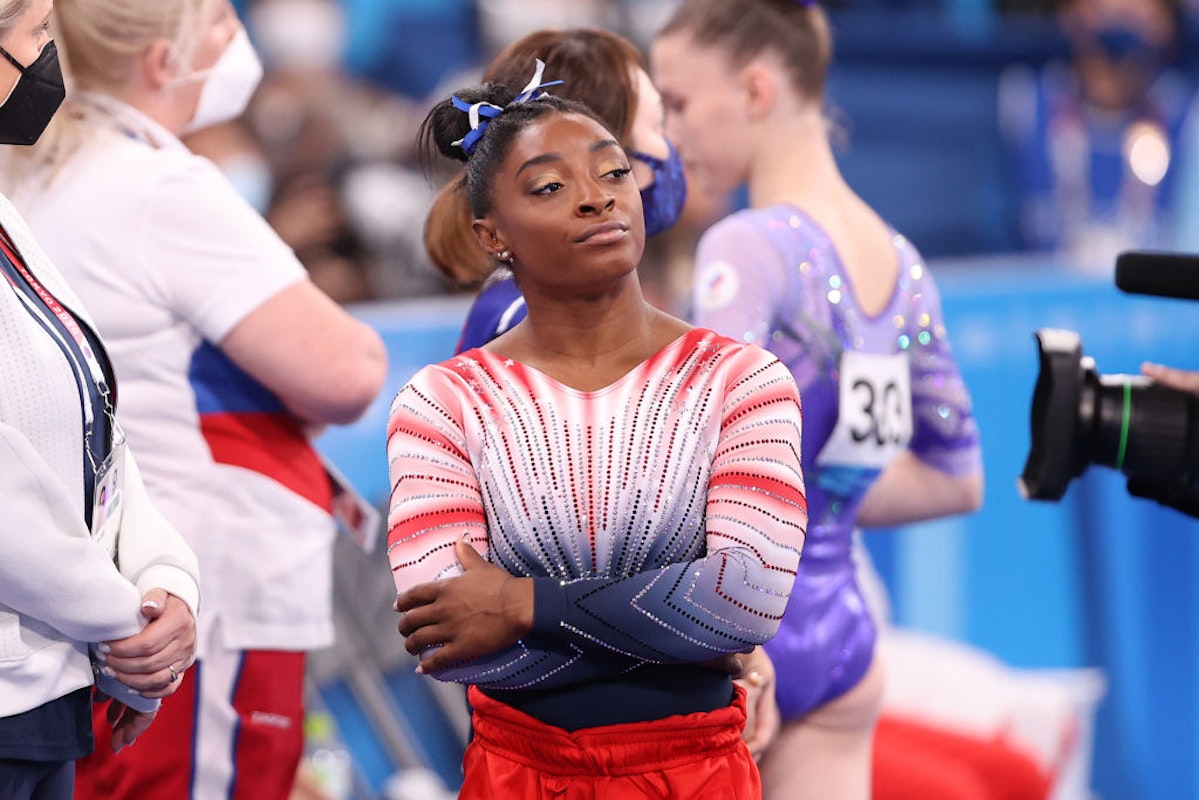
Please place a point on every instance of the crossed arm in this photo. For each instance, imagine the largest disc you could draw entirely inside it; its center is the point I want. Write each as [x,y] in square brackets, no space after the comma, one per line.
[514,631]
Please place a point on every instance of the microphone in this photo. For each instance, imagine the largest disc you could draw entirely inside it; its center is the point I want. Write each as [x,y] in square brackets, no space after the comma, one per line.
[1158,274]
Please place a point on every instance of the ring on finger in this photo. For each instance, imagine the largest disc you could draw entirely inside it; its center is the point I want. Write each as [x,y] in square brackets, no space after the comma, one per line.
[174,674]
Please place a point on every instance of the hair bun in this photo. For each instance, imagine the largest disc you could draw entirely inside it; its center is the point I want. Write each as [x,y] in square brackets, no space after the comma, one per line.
[447,126]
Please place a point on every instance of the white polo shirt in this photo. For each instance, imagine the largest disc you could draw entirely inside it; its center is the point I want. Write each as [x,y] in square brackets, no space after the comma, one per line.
[169,258]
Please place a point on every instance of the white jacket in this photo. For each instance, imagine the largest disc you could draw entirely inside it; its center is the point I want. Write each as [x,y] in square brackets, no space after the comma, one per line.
[169,265]
[59,588]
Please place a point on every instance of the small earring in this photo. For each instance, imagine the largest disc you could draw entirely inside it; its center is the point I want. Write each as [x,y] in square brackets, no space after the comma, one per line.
[505,255]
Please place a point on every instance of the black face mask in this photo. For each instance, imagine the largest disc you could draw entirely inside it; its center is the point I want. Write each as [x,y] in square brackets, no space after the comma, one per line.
[38,94]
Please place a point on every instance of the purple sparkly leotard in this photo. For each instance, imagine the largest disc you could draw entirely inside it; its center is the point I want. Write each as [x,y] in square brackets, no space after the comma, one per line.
[870,385]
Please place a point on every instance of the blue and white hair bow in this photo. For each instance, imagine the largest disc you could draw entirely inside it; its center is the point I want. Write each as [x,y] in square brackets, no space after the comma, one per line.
[481,114]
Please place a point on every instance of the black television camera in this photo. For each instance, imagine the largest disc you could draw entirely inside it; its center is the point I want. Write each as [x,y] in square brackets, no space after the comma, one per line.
[1126,422]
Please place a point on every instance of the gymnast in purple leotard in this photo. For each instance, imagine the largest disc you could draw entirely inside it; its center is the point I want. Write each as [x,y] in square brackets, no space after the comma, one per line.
[772,276]
[812,273]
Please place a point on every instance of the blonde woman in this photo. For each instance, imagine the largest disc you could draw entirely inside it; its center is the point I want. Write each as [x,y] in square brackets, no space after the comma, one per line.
[229,356]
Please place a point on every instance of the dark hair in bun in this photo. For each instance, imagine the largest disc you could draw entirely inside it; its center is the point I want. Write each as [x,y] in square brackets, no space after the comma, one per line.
[446,126]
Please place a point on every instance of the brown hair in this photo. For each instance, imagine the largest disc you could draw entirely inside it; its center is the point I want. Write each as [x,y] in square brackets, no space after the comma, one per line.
[451,245]
[797,32]
[596,68]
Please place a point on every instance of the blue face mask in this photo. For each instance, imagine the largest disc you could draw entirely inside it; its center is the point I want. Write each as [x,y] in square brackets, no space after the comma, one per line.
[1123,44]
[663,199]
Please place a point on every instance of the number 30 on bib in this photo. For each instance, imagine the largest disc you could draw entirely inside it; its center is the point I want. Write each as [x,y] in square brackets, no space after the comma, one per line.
[874,421]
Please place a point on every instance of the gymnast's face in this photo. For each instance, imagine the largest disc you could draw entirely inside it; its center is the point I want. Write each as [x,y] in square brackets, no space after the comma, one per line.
[707,116]
[566,206]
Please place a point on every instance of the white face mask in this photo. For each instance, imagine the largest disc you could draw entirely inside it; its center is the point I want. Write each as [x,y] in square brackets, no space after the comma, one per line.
[228,84]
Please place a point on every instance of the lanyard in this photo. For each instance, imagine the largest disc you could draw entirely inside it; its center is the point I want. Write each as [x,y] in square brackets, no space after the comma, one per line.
[83,347]
[61,314]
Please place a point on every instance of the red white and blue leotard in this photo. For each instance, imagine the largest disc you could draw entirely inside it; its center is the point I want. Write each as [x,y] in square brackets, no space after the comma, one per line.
[662,517]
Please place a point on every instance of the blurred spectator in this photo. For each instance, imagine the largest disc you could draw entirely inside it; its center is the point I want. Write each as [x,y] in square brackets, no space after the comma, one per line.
[404,46]
[504,21]
[240,157]
[335,149]
[409,46]
[1097,140]
[339,186]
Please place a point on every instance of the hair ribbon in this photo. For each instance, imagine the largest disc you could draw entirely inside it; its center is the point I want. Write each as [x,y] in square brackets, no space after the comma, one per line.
[482,113]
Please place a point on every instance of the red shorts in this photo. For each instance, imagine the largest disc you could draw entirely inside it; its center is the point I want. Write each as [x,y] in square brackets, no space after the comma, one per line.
[698,755]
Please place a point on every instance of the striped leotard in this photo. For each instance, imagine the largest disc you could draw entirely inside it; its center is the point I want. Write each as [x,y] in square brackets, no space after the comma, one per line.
[661,516]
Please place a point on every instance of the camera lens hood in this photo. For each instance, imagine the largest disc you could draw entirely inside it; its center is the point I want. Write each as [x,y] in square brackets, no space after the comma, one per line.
[1050,463]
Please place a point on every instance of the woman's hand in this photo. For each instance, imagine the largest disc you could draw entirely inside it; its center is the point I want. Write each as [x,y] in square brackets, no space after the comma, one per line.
[153,660]
[483,610]
[762,721]
[127,724]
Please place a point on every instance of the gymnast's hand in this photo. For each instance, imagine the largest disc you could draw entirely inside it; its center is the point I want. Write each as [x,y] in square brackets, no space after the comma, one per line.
[483,610]
[762,720]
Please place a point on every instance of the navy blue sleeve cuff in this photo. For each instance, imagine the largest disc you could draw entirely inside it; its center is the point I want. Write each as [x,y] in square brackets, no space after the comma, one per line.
[549,609]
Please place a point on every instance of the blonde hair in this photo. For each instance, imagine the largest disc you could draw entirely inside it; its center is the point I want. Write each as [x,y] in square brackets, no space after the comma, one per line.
[10,10]
[99,43]
[102,39]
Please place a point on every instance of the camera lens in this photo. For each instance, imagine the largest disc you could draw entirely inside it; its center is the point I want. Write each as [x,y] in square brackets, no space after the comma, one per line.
[1125,422]
[1138,427]
[1055,455]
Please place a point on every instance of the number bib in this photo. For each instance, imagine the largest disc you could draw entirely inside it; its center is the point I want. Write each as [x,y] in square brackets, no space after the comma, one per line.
[874,421]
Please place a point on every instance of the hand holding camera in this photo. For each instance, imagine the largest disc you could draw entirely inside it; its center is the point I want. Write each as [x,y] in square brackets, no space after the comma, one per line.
[1181,379]
[1145,426]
